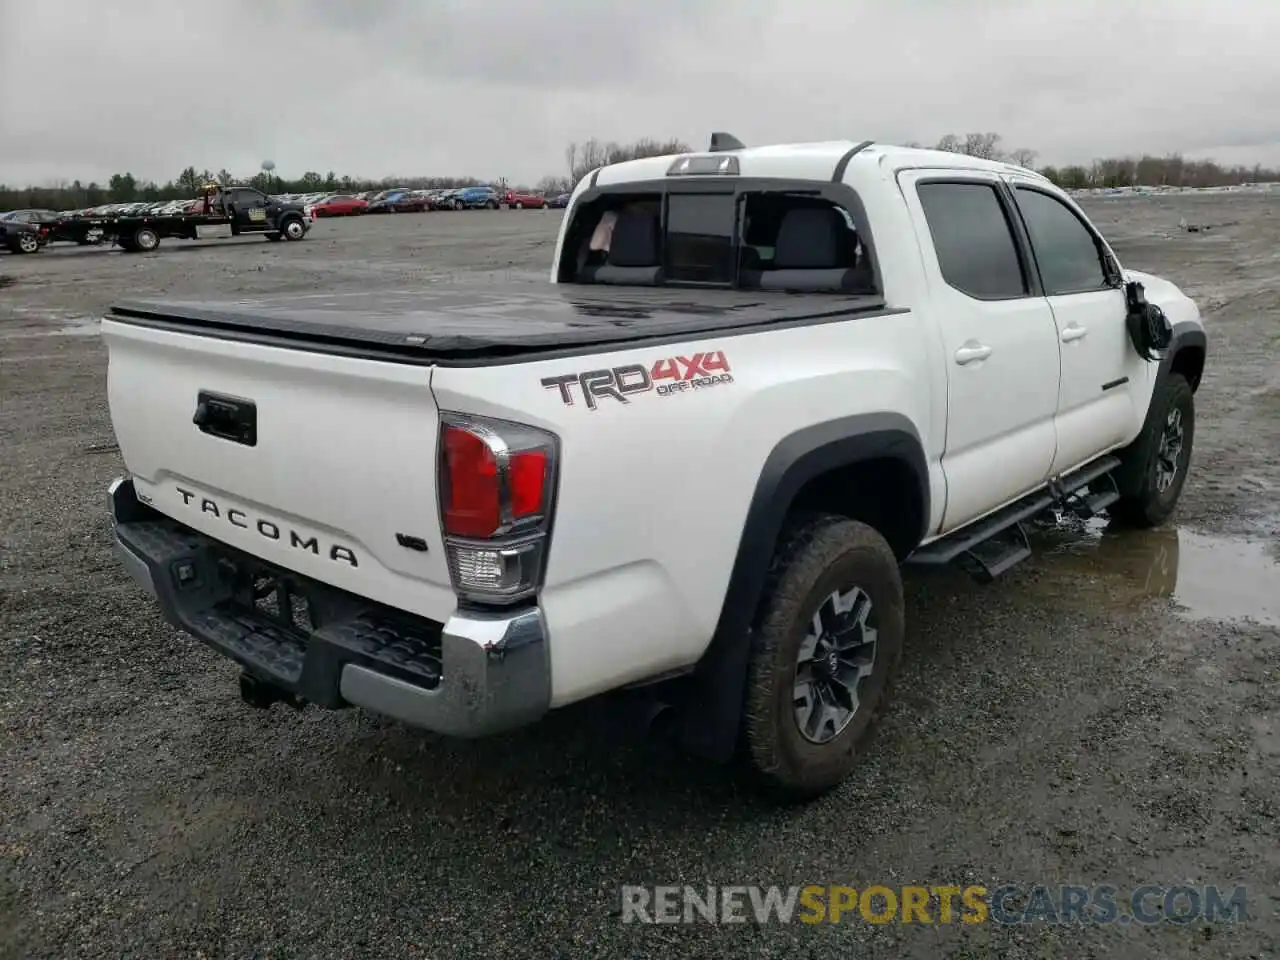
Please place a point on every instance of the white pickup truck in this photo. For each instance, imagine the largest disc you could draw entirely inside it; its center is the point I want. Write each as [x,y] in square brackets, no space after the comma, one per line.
[759,381]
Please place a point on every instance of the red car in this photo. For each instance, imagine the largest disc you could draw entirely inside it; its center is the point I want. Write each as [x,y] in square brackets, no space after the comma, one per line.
[340,205]
[518,201]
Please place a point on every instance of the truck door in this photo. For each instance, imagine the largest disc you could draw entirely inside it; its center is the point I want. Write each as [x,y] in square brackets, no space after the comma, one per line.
[999,340]
[250,210]
[1100,368]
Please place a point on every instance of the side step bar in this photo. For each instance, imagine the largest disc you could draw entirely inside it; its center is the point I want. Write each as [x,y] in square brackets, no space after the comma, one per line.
[992,545]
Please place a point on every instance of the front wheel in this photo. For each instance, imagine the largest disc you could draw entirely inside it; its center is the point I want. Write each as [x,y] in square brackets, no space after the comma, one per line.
[28,243]
[293,230]
[829,635]
[1154,467]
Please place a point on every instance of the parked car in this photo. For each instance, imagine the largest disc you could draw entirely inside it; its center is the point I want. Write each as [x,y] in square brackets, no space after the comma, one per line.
[45,222]
[476,198]
[32,216]
[18,236]
[415,201]
[519,201]
[447,549]
[385,202]
[340,205]
[559,201]
[442,199]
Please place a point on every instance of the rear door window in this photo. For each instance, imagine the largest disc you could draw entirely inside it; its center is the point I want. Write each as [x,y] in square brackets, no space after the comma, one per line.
[973,239]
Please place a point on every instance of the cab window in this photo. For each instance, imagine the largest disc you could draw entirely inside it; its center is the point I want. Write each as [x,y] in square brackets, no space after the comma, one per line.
[973,239]
[1066,251]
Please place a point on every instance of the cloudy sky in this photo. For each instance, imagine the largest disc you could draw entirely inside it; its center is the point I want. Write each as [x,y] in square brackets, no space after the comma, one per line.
[494,88]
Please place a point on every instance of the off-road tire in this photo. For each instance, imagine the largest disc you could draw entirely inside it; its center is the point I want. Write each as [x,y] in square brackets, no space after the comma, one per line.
[1142,503]
[817,555]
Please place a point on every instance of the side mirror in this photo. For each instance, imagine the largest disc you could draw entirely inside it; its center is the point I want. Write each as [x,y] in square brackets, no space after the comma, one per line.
[1149,329]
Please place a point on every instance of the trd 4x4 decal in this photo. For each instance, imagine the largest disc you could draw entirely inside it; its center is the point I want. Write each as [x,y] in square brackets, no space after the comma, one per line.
[666,377]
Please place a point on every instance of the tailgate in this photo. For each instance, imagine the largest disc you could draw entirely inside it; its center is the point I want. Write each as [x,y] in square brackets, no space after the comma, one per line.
[342,473]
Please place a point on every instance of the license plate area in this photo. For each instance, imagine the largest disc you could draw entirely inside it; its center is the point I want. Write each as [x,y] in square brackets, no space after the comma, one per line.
[278,601]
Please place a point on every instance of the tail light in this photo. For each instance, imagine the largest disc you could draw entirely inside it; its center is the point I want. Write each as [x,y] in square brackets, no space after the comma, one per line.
[497,495]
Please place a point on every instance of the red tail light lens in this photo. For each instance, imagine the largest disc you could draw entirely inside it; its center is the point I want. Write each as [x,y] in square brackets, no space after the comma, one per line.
[497,486]
[471,498]
[528,483]
[493,483]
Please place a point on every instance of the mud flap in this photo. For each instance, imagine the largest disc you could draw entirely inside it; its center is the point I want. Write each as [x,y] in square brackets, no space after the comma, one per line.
[709,717]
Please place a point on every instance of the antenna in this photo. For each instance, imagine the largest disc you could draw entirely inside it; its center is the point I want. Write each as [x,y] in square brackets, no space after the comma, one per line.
[721,142]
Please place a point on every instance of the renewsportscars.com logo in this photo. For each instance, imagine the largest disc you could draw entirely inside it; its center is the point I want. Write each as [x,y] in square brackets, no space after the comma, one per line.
[943,904]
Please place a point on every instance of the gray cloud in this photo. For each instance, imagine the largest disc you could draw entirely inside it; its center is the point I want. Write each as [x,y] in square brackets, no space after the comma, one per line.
[498,88]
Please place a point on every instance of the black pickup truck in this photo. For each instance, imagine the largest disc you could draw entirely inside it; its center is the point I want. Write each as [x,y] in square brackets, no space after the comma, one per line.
[245,209]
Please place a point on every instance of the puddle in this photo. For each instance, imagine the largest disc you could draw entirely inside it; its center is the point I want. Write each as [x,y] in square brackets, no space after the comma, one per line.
[1209,578]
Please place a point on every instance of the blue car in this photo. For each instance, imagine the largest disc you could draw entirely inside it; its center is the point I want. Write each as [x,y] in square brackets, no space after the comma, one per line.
[476,198]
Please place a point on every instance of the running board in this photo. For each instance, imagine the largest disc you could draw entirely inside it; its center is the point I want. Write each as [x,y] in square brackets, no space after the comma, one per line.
[997,542]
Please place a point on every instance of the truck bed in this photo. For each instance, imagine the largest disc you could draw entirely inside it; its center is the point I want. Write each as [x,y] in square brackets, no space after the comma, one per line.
[463,324]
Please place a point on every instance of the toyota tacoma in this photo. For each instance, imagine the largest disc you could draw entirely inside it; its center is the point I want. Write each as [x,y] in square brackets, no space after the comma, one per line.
[691,466]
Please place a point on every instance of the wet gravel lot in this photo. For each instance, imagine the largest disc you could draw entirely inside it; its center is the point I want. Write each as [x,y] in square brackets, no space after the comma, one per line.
[1102,715]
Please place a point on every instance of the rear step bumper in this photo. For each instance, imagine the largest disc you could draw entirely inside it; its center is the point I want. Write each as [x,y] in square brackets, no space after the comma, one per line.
[474,675]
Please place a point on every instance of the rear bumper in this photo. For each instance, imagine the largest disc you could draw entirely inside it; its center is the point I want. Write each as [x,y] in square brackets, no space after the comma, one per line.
[473,675]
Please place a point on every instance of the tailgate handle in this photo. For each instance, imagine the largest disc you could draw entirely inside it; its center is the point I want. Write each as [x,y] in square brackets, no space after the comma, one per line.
[230,418]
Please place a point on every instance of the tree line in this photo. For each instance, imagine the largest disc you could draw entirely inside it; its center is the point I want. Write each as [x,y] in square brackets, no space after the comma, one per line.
[1146,170]
[583,157]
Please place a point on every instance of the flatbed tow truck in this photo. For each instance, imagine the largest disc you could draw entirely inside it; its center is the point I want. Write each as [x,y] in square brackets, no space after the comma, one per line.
[244,209]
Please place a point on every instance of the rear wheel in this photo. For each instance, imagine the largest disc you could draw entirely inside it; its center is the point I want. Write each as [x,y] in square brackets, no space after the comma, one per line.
[519,205]
[829,635]
[27,243]
[145,240]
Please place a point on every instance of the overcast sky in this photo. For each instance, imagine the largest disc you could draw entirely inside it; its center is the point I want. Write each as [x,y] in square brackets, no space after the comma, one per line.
[492,88]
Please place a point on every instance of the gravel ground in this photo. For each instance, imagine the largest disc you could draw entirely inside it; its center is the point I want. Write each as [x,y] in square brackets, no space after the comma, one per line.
[1096,717]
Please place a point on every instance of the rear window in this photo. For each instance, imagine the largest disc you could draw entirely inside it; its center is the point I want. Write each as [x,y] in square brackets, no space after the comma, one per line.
[699,240]
[755,239]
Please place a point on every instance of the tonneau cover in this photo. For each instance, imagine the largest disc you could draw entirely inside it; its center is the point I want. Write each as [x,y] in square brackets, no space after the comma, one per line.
[439,322]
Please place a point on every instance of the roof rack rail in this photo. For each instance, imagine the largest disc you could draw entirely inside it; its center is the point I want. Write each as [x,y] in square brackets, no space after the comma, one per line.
[721,142]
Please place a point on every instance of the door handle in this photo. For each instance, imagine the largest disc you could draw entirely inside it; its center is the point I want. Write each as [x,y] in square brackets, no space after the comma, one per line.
[1074,332]
[971,354]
